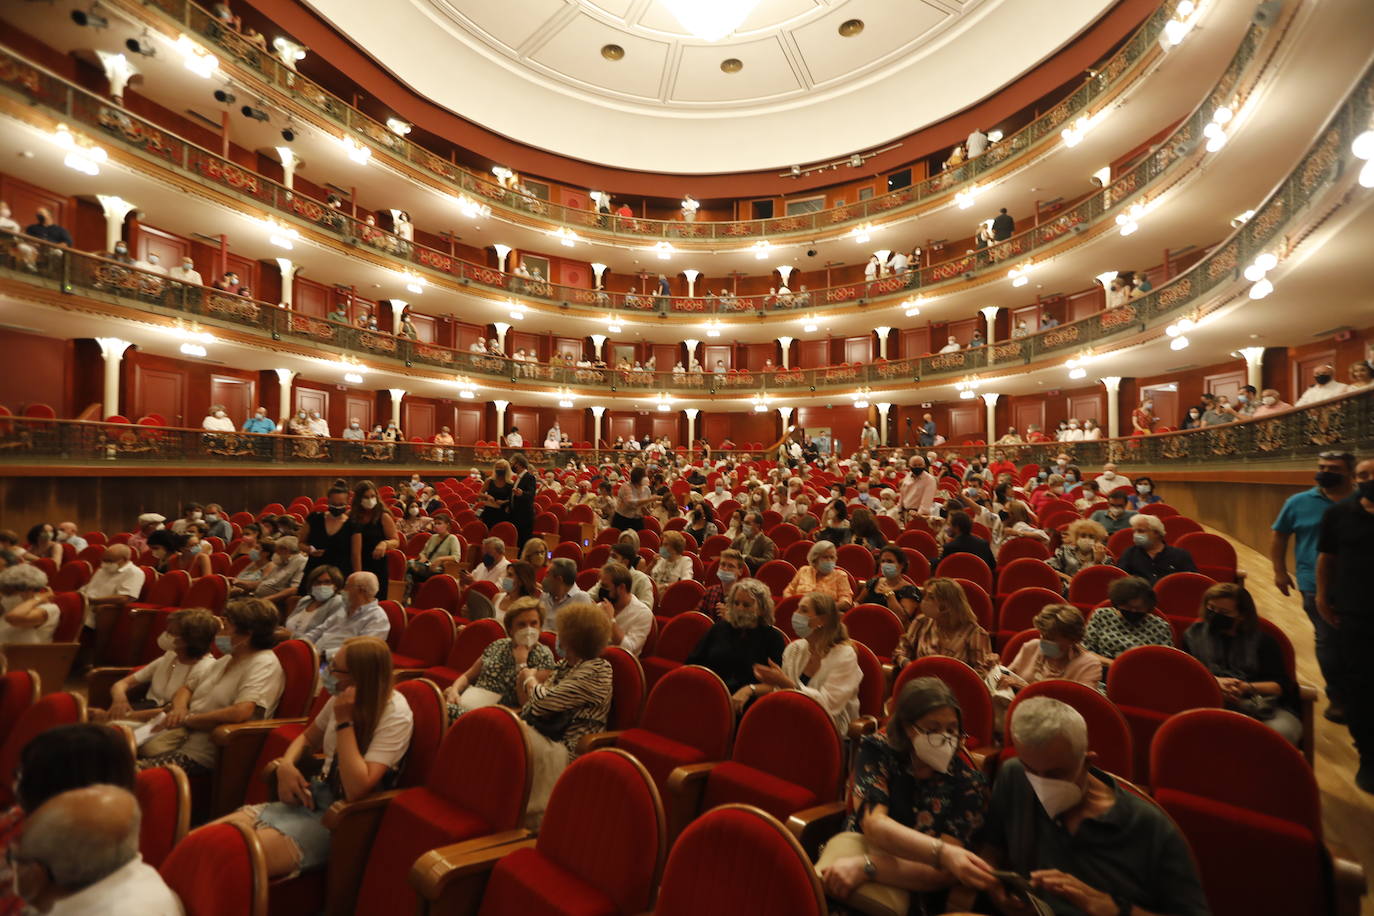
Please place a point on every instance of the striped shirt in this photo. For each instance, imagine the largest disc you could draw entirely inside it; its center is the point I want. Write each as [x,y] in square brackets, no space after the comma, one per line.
[576,701]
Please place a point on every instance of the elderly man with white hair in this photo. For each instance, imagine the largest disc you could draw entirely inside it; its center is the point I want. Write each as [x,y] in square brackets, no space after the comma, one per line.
[1149,557]
[494,563]
[1088,844]
[67,533]
[117,582]
[27,613]
[359,615]
[78,855]
[284,574]
[1110,480]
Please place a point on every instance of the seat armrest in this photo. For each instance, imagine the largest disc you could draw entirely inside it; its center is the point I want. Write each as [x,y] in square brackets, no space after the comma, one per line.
[863,725]
[813,826]
[1307,700]
[598,741]
[100,685]
[685,787]
[1349,884]
[239,746]
[353,827]
[451,880]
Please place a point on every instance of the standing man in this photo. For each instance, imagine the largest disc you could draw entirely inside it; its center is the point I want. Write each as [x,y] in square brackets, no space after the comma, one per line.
[918,488]
[1003,225]
[1344,601]
[868,437]
[1301,515]
[927,431]
[522,498]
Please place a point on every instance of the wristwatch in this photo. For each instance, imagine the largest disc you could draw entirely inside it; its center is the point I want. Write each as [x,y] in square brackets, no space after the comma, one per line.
[342,725]
[870,870]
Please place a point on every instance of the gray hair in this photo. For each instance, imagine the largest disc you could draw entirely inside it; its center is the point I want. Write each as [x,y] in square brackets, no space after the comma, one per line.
[491,545]
[1039,720]
[1153,522]
[287,543]
[564,569]
[817,549]
[368,580]
[75,856]
[630,536]
[23,578]
[762,596]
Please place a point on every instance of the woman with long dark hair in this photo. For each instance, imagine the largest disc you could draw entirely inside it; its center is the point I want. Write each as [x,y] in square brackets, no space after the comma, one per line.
[373,534]
[329,536]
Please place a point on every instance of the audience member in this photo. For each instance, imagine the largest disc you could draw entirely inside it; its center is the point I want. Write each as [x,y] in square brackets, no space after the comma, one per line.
[114,584]
[1270,403]
[1084,545]
[1149,557]
[491,679]
[559,590]
[641,586]
[672,565]
[1116,516]
[822,574]
[517,584]
[631,619]
[1144,494]
[1110,480]
[323,599]
[742,638]
[891,587]
[946,626]
[752,544]
[1128,622]
[29,614]
[373,533]
[360,615]
[285,575]
[1058,653]
[185,644]
[1324,387]
[821,662]
[963,540]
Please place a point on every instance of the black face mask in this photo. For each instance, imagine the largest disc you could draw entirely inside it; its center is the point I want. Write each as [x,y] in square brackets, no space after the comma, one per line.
[1366,488]
[1329,480]
[1220,625]
[1132,617]
[336,511]
[1323,378]
[918,471]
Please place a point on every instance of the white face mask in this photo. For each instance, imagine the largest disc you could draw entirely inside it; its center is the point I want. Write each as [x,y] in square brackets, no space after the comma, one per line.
[1269,400]
[1086,544]
[110,567]
[1056,795]
[935,750]
[166,642]
[369,502]
[526,637]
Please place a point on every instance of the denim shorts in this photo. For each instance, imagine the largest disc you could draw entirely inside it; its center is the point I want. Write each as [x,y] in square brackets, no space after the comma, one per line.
[303,825]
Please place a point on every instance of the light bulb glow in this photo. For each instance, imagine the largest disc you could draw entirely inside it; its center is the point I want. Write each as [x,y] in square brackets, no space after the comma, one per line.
[1267,261]
[1179,343]
[353,378]
[193,349]
[1363,145]
[1261,289]
[1367,175]
[1216,143]
[1078,373]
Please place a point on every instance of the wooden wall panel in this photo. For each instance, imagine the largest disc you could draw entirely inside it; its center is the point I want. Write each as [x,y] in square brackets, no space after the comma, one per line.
[812,354]
[913,342]
[467,427]
[965,423]
[40,370]
[1091,407]
[311,298]
[858,349]
[419,419]
[1028,413]
[168,246]
[160,391]
[527,418]
[359,406]
[238,395]
[667,425]
[314,399]
[714,352]
[25,198]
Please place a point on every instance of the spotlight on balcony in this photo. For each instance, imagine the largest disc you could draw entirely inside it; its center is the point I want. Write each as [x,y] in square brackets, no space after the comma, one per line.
[225,97]
[90,18]
[257,114]
[143,44]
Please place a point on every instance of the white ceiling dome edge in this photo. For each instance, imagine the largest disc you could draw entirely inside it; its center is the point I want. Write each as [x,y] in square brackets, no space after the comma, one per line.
[532,70]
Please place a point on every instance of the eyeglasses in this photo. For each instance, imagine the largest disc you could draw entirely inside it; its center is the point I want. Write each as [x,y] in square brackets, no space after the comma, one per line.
[942,736]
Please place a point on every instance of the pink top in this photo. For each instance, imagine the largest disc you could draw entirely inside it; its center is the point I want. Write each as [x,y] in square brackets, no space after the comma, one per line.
[1082,666]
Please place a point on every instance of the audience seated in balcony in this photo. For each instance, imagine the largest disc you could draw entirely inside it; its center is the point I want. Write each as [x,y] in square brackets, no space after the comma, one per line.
[742,637]
[1149,557]
[1087,844]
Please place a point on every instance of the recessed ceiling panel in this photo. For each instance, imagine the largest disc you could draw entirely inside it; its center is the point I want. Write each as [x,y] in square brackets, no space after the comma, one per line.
[765,69]
[573,53]
[508,24]
[888,27]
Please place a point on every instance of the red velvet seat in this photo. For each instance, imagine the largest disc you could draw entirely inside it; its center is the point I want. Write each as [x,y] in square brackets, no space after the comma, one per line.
[796,553]
[1212,553]
[1088,588]
[1249,806]
[18,691]
[1109,735]
[396,617]
[917,566]
[1151,683]
[439,591]
[569,550]
[876,627]
[785,535]
[1018,612]
[600,848]
[1163,510]
[855,559]
[1025,572]
[468,645]
[974,701]
[775,878]
[1020,548]
[776,574]
[218,870]
[1180,594]
[164,798]
[427,640]
[782,615]
[978,602]
[786,757]
[712,546]
[679,597]
[627,688]
[47,712]
[72,575]
[1176,526]
[466,795]
[966,566]
[675,643]
[922,540]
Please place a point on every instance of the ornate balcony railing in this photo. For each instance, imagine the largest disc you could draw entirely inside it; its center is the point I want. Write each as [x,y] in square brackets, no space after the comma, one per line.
[93,276]
[1290,436]
[146,139]
[525,208]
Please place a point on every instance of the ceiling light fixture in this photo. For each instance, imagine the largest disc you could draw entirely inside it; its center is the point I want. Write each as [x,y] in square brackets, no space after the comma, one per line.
[710,20]
[353,378]
[1179,343]
[612,52]
[397,126]
[1363,148]
[1020,275]
[566,237]
[713,329]
[965,197]
[761,249]
[565,398]
[861,232]
[1130,220]
[663,250]
[913,306]
[288,51]
[198,60]
[665,402]
[279,235]
[731,65]
[355,150]
[995,136]
[1177,28]
[414,282]
[471,208]
[193,349]
[84,159]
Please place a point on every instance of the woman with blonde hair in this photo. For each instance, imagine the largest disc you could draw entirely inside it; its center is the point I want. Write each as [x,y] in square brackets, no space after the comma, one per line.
[821,663]
[517,584]
[536,553]
[1085,544]
[946,626]
[496,495]
[1019,523]
[673,564]
[822,574]
[364,732]
[1057,654]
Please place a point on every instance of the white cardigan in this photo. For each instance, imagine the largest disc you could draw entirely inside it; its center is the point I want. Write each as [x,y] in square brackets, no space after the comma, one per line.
[835,683]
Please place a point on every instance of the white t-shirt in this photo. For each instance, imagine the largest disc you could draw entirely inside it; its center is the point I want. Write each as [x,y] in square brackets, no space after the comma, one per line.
[126,581]
[390,739]
[30,635]
[165,676]
[480,572]
[258,679]
[515,440]
[136,889]
[219,424]
[635,620]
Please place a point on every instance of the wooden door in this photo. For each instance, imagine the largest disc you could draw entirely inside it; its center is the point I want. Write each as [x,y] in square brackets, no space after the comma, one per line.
[666,426]
[24,199]
[314,399]
[168,247]
[311,298]
[359,406]
[966,423]
[858,349]
[715,352]
[1226,384]
[160,391]
[915,342]
[1026,414]
[962,331]
[1303,369]
[426,328]
[1087,407]
[570,348]
[467,427]
[812,354]
[419,420]
[1084,304]
[714,428]
[666,356]
[238,395]
[527,418]
[246,268]
[1165,401]
[623,426]
[1030,315]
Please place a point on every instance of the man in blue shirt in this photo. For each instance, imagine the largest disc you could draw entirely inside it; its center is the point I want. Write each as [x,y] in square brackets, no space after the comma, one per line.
[1302,515]
[259,423]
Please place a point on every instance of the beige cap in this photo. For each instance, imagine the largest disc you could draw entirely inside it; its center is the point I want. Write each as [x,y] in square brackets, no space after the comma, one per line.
[149,518]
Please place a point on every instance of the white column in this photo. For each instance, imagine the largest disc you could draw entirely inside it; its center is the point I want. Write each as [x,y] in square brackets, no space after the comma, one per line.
[112,349]
[691,276]
[882,341]
[883,408]
[990,399]
[597,411]
[1254,366]
[597,341]
[396,395]
[691,413]
[785,413]
[288,280]
[501,252]
[600,271]
[786,344]
[501,329]
[691,350]
[990,314]
[289,161]
[118,71]
[785,271]
[500,419]
[397,307]
[115,209]
[284,377]
[1113,386]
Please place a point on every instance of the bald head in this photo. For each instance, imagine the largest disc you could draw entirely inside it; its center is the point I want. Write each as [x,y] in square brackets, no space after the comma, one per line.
[79,837]
[117,553]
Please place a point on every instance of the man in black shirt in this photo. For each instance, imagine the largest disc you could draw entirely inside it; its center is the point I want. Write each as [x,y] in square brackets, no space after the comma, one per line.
[1345,601]
[1003,225]
[47,230]
[965,541]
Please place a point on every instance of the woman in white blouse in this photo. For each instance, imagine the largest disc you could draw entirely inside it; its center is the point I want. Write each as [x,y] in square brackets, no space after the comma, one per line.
[821,664]
[672,565]
[364,732]
[186,643]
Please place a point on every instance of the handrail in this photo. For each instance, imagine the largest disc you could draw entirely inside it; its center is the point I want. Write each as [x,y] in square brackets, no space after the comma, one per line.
[1323,164]
[1287,436]
[1111,76]
[41,86]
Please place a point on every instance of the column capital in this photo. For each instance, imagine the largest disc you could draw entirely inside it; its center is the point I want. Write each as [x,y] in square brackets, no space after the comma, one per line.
[598,410]
[1253,355]
[285,376]
[114,206]
[691,412]
[502,405]
[397,393]
[786,341]
[288,158]
[691,274]
[113,347]
[287,267]
[501,328]
[785,413]
[989,312]
[398,306]
[990,397]
[1111,382]
[598,339]
[882,331]
[884,407]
